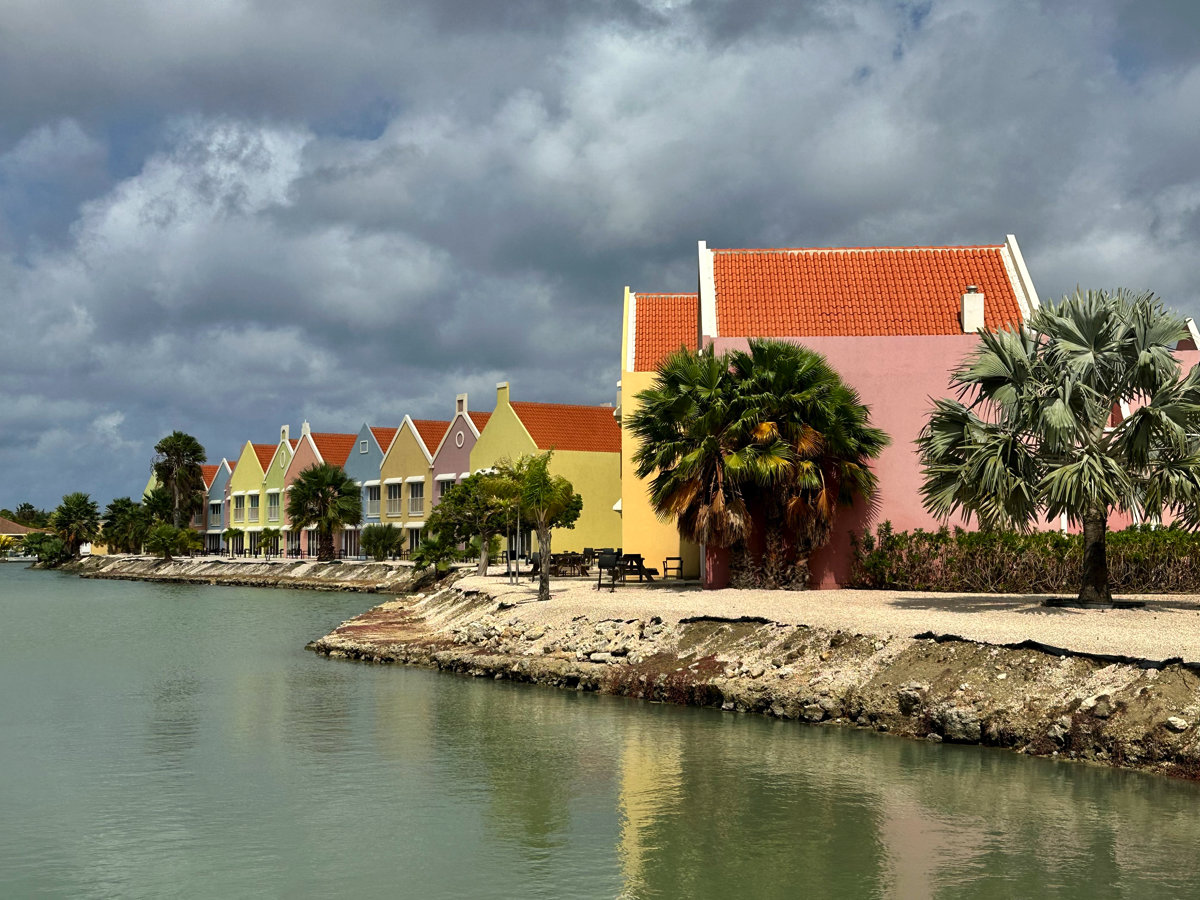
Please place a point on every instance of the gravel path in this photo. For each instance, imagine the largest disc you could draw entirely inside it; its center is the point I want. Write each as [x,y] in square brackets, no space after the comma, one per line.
[1168,628]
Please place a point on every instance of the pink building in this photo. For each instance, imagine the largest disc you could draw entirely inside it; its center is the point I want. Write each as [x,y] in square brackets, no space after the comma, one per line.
[894,322]
[452,458]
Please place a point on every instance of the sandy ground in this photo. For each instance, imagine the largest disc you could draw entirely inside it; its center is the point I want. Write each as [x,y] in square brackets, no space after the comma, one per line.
[1168,627]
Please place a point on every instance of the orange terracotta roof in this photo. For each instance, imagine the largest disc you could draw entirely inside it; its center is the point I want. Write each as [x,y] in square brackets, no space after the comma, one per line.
[662,324]
[208,473]
[334,448]
[857,291]
[564,427]
[480,419]
[384,436]
[8,526]
[264,452]
[431,431]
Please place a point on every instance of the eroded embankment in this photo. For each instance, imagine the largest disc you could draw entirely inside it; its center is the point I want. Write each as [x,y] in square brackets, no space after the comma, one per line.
[1029,700]
[303,574]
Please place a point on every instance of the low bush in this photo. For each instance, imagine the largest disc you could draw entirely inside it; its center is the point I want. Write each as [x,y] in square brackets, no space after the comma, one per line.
[1141,559]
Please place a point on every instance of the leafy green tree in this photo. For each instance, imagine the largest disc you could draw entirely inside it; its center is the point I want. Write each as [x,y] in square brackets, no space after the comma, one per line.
[8,544]
[126,525]
[49,549]
[546,500]
[380,541]
[76,521]
[177,461]
[28,515]
[757,447]
[268,541]
[1032,432]
[230,535]
[159,505]
[475,509]
[168,541]
[324,496]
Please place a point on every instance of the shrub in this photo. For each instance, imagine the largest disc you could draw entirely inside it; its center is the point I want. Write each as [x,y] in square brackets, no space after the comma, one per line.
[1141,559]
[49,549]
[380,541]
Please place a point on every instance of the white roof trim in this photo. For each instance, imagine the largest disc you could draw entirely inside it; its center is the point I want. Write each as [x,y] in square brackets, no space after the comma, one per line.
[374,482]
[393,481]
[450,477]
[708,293]
[631,341]
[412,479]
[1027,296]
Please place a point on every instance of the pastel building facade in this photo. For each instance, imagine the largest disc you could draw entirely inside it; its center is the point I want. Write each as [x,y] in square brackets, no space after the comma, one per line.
[407,476]
[245,495]
[894,322]
[314,448]
[586,441]
[451,461]
[214,503]
[274,482]
[364,464]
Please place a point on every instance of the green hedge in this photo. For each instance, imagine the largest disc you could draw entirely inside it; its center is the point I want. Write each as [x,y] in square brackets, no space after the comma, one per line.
[1140,560]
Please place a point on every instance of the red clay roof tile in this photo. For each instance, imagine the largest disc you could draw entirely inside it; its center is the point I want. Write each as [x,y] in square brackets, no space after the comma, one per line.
[431,432]
[480,419]
[208,473]
[334,448]
[564,427]
[264,452]
[857,291]
[383,436]
[662,324]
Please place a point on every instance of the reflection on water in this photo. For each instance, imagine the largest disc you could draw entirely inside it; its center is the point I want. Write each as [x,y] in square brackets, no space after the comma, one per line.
[180,741]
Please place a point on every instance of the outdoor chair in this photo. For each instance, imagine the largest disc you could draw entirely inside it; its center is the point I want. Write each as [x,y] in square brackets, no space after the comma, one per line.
[673,567]
[613,564]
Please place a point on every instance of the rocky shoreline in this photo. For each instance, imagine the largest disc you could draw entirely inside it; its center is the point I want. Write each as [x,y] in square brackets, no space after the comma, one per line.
[1141,715]
[371,578]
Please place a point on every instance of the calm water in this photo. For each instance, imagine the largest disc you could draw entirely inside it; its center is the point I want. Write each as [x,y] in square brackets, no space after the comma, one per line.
[159,741]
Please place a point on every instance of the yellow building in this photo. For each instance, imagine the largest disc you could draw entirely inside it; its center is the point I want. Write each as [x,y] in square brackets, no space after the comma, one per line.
[586,441]
[654,325]
[406,476]
[246,494]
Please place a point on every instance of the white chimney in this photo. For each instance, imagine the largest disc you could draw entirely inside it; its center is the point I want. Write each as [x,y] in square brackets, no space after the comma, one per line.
[971,316]
[460,403]
[304,429]
[283,434]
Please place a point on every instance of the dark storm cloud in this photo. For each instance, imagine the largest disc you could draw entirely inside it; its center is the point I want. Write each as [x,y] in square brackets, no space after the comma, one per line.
[225,217]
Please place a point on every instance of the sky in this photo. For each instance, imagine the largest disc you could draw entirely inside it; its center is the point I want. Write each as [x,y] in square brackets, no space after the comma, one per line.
[222,217]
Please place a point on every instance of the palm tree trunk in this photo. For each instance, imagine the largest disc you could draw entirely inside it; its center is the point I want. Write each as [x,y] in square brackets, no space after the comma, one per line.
[325,546]
[483,555]
[1094,589]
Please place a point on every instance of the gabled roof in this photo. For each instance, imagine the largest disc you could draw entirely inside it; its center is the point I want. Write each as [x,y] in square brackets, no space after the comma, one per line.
[265,453]
[383,436]
[859,291]
[661,324]
[9,527]
[334,448]
[563,427]
[431,432]
[208,473]
[479,419]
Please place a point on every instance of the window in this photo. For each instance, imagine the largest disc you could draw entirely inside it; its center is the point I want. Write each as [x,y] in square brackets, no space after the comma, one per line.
[394,499]
[414,539]
[362,446]
[373,500]
[443,486]
[416,498]
[253,516]
[239,509]
[273,507]
[214,514]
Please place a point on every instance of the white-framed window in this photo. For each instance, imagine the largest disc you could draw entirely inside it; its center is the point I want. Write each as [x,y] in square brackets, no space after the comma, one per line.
[414,539]
[444,485]
[362,446]
[252,515]
[239,509]
[273,507]
[394,493]
[214,514]
[373,500]
[416,498]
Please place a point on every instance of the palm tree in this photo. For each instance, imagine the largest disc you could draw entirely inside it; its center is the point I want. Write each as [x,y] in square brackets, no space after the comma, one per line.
[326,497]
[754,450]
[76,521]
[126,525]
[547,501]
[268,541]
[177,462]
[1032,432]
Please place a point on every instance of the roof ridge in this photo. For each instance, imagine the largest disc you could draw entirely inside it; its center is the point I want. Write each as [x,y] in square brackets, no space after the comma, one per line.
[918,248]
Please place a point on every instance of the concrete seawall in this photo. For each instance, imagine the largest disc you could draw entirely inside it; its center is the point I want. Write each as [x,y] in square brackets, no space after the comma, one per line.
[935,688]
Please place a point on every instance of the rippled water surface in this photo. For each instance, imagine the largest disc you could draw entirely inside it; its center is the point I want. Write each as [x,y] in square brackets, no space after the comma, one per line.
[178,741]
